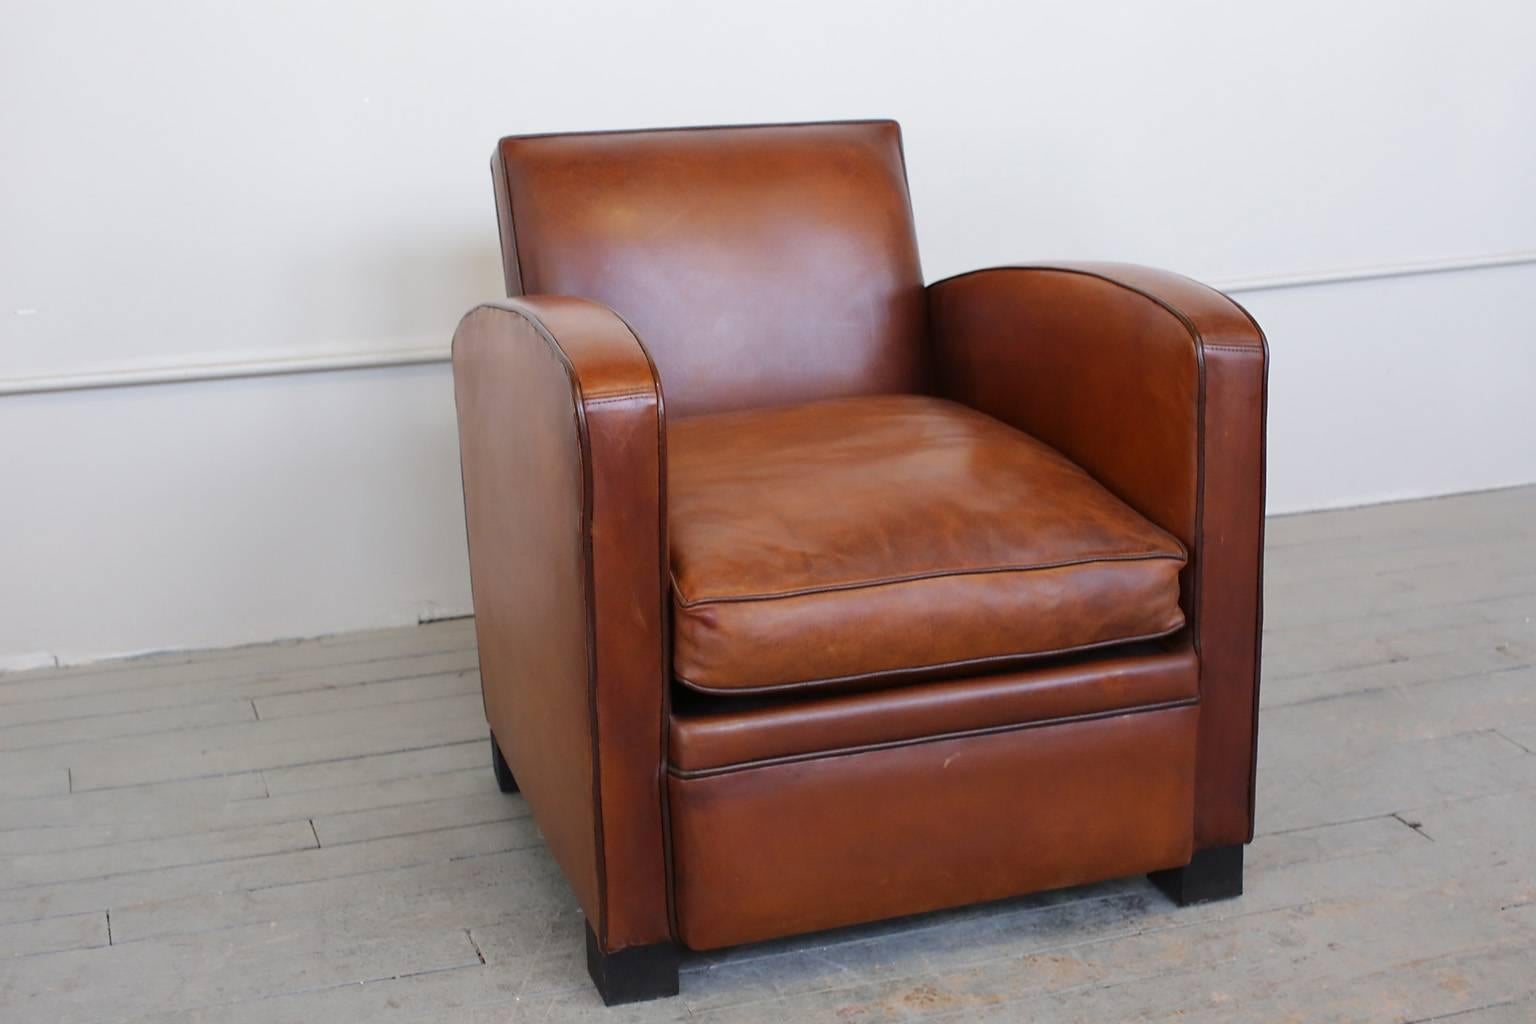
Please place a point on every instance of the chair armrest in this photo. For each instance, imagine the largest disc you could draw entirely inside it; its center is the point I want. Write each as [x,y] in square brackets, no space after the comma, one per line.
[561,445]
[1156,385]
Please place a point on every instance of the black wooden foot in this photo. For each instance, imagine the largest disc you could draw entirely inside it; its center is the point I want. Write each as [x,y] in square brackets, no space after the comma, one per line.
[632,975]
[504,777]
[1214,874]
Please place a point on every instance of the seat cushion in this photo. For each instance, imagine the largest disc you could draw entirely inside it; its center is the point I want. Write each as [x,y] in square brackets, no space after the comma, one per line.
[869,541]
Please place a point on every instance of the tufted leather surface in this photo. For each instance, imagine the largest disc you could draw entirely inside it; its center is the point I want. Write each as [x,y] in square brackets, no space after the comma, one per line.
[867,541]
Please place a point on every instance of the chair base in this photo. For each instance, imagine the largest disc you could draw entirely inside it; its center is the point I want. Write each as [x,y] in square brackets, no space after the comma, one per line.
[1213,874]
[632,975]
[504,777]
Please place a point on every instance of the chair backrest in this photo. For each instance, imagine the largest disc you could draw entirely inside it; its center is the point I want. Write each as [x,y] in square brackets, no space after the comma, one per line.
[760,265]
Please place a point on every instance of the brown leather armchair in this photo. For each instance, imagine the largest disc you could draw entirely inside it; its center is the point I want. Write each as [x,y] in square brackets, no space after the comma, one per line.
[904,598]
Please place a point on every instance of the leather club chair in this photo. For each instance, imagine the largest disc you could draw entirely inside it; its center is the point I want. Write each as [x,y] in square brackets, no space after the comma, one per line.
[808,595]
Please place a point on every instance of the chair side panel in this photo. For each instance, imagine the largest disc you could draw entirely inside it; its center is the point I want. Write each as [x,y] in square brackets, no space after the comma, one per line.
[524,492]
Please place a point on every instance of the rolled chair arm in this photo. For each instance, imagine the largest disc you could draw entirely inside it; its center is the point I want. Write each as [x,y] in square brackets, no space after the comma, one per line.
[1156,385]
[561,444]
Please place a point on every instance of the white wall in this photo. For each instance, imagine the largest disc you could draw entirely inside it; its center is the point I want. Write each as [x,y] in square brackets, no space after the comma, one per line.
[192,183]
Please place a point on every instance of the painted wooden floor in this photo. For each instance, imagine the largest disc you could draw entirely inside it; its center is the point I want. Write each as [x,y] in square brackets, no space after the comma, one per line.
[309,832]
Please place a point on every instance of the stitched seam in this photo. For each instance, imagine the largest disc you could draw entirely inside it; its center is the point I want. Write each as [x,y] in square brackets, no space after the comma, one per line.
[1235,348]
[620,396]
[939,667]
[589,599]
[664,668]
[1258,625]
[867,748]
[831,588]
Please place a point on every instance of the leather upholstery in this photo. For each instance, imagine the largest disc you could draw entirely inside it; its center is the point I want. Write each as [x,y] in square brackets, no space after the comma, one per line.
[721,734]
[864,541]
[789,848]
[831,526]
[560,437]
[1156,385]
[762,265]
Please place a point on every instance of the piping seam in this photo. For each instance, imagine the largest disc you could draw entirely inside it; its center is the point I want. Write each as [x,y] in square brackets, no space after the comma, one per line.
[887,581]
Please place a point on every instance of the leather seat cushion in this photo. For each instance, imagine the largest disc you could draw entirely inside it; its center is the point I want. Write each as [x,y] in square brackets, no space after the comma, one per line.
[863,542]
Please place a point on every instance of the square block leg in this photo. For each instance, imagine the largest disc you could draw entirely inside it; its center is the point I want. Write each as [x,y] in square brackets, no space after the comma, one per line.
[1213,874]
[632,975]
[504,778]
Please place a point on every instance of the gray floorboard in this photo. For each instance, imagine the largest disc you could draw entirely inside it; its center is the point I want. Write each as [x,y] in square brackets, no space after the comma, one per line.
[308,831]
